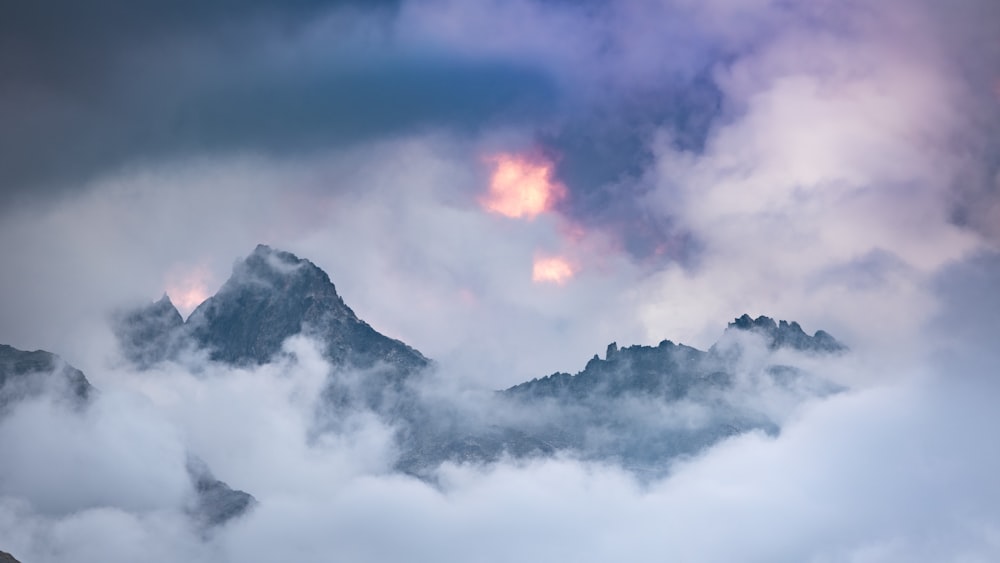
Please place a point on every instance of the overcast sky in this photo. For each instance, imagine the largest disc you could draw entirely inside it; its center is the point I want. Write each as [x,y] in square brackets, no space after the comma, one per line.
[508,186]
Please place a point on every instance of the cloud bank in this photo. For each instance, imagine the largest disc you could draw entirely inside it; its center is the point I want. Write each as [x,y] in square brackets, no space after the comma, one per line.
[885,473]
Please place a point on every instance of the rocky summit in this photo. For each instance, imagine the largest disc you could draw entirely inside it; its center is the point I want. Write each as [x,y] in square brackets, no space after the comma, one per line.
[270,296]
[784,334]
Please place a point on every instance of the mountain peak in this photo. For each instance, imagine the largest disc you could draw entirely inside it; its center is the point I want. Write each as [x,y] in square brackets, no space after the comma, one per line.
[270,296]
[268,265]
[784,334]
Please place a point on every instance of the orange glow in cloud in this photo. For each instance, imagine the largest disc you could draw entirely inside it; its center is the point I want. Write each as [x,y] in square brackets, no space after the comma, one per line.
[188,290]
[552,269]
[521,186]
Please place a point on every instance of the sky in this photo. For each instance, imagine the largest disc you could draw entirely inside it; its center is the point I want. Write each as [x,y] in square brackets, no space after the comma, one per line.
[508,187]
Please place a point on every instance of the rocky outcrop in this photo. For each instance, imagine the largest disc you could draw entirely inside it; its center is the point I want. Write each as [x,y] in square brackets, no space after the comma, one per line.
[669,371]
[783,334]
[7,558]
[149,334]
[216,502]
[30,374]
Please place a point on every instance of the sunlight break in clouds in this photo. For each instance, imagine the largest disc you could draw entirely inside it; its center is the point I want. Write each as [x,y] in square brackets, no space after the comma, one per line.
[188,288]
[552,269]
[521,186]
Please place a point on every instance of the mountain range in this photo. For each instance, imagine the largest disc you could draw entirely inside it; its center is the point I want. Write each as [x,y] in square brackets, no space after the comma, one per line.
[639,406]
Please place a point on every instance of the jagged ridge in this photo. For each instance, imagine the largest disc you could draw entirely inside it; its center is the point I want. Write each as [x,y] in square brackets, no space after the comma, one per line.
[610,409]
[784,334]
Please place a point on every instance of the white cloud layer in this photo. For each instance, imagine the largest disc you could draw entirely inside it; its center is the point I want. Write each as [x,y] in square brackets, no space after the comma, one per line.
[893,472]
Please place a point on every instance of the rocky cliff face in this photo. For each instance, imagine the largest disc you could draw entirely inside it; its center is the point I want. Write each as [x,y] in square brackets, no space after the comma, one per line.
[272,295]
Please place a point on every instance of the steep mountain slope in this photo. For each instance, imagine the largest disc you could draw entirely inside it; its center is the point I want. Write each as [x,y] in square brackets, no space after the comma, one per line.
[270,296]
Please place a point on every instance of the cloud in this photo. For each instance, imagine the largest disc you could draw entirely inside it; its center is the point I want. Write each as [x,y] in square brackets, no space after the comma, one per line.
[401,236]
[131,84]
[110,455]
[876,474]
[829,186]
[828,162]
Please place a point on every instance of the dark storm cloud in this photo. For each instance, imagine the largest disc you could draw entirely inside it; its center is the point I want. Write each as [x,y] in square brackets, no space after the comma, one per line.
[65,41]
[602,157]
[358,100]
[87,89]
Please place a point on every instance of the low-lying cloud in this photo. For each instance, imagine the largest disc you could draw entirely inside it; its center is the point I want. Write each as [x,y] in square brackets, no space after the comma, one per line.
[885,472]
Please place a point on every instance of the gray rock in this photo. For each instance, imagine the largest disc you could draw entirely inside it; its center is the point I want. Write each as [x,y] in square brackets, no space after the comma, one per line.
[216,502]
[785,334]
[30,374]
[270,296]
[631,408]
[273,295]
[149,334]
